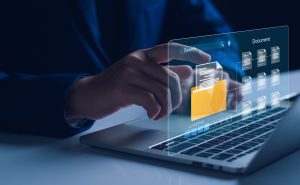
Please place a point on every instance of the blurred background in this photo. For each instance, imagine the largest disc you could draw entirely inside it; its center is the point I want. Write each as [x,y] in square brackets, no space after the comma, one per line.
[251,14]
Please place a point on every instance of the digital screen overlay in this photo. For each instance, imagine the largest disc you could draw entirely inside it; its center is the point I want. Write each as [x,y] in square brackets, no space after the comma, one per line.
[256,59]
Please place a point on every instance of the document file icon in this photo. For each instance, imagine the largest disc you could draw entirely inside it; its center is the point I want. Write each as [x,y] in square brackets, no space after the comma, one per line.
[210,94]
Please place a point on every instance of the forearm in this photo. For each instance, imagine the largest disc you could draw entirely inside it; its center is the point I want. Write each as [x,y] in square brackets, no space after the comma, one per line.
[36,104]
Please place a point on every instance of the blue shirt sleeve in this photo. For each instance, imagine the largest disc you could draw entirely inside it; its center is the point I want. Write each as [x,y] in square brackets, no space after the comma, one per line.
[45,47]
[36,104]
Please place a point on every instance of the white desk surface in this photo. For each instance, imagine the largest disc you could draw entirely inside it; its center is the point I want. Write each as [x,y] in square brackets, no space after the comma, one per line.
[42,161]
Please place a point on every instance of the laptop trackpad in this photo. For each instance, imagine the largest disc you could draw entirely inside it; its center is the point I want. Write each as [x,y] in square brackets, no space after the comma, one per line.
[127,136]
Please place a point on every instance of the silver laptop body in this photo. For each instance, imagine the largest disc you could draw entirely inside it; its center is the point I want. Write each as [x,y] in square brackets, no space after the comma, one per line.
[270,136]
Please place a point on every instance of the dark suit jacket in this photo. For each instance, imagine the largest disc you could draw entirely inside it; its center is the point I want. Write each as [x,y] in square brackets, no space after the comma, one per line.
[46,45]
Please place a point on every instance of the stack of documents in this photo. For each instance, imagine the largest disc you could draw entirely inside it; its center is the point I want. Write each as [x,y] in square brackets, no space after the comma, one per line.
[210,93]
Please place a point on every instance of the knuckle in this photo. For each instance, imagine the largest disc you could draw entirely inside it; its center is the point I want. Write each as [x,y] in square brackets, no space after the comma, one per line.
[135,56]
[127,71]
[151,104]
[152,100]
[163,99]
[173,77]
[165,91]
[156,108]
[130,59]
[150,97]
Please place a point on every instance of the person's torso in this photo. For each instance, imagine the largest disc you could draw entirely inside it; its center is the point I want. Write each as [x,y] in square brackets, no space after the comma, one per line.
[44,37]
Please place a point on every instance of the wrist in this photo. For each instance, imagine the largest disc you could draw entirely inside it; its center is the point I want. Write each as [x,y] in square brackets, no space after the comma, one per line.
[74,101]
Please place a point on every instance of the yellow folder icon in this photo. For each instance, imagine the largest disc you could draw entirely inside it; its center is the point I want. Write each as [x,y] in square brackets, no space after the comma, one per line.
[208,101]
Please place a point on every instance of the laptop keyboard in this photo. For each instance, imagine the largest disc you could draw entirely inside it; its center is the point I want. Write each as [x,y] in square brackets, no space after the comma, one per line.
[229,142]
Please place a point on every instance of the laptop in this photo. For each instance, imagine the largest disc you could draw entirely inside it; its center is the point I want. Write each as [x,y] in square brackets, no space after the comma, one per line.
[261,130]
[238,146]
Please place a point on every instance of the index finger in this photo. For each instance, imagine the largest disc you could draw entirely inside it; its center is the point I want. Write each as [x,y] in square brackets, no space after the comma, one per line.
[165,52]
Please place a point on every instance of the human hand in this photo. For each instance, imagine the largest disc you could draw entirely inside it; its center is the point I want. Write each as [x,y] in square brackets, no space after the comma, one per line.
[138,79]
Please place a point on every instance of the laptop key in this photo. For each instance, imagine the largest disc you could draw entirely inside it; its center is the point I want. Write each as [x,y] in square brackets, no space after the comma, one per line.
[189,135]
[244,129]
[165,145]
[193,151]
[266,129]
[222,130]
[204,154]
[215,141]
[265,136]
[262,122]
[240,124]
[223,138]
[231,143]
[160,147]
[274,117]
[180,147]
[180,139]
[255,148]
[247,121]
[231,134]
[213,134]
[223,147]
[240,131]
[222,156]
[251,144]
[196,141]
[233,151]
[269,127]
[206,145]
[248,136]
[259,116]
[258,140]
[232,127]
[240,139]
[242,147]
[214,151]
[205,137]
[258,132]
[254,125]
